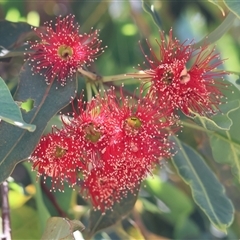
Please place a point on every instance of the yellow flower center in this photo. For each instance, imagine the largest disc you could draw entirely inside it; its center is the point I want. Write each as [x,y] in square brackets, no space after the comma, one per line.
[132,126]
[92,134]
[168,77]
[59,152]
[133,122]
[65,52]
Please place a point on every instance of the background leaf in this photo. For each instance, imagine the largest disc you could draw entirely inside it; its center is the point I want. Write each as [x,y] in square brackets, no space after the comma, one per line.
[178,214]
[12,33]
[25,222]
[17,144]
[217,33]
[218,5]
[159,189]
[221,120]
[149,8]
[226,144]
[61,228]
[9,110]
[233,6]
[207,192]
[99,221]
[42,212]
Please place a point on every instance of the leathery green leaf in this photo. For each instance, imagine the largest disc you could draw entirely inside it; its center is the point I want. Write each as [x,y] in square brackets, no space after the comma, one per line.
[17,144]
[166,192]
[207,191]
[218,32]
[61,228]
[226,144]
[9,110]
[99,220]
[220,121]
[150,9]
[233,6]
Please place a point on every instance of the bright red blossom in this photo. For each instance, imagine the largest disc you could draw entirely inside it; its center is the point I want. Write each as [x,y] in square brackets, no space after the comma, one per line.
[175,87]
[139,138]
[58,158]
[101,187]
[87,129]
[116,142]
[62,50]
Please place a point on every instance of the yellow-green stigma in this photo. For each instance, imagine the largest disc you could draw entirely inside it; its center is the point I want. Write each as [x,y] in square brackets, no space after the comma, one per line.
[168,77]
[133,122]
[60,152]
[65,52]
[92,134]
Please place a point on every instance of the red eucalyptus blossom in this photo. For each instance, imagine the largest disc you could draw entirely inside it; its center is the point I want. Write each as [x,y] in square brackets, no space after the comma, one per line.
[62,49]
[59,158]
[87,128]
[102,188]
[139,138]
[193,89]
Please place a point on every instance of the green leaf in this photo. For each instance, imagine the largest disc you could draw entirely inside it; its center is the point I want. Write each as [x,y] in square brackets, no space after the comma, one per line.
[220,121]
[99,221]
[17,144]
[25,223]
[9,110]
[149,206]
[5,55]
[218,32]
[17,199]
[61,228]
[218,5]
[179,211]
[150,9]
[226,144]
[166,192]
[233,6]
[42,211]
[12,34]
[207,192]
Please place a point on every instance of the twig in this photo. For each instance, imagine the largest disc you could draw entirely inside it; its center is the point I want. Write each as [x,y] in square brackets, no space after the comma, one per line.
[5,212]
[95,77]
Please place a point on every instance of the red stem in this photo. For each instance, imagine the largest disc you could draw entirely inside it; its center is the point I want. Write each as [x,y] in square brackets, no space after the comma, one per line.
[53,200]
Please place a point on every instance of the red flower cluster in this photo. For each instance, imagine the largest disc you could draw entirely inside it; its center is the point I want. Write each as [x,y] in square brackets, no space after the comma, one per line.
[62,50]
[175,87]
[110,144]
